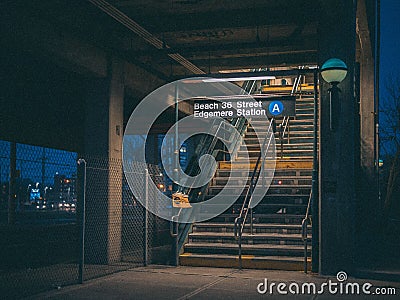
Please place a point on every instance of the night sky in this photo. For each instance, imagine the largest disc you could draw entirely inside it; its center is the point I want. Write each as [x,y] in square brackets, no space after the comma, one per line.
[390,41]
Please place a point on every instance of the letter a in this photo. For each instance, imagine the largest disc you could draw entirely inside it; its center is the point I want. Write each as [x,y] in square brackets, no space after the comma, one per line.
[276,108]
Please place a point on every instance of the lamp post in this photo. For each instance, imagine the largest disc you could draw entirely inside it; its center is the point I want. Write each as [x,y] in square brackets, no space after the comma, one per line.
[334,71]
[28,193]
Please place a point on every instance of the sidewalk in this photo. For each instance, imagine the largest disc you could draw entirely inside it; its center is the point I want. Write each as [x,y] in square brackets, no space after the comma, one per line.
[165,282]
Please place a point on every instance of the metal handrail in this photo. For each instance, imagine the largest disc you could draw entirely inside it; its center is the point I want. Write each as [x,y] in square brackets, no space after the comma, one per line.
[174,232]
[236,122]
[314,190]
[304,232]
[282,130]
[284,126]
[240,221]
[179,231]
[210,149]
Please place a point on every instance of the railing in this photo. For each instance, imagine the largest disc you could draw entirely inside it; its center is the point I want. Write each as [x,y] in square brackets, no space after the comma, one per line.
[297,82]
[180,231]
[174,232]
[284,126]
[312,201]
[240,221]
[304,232]
[231,133]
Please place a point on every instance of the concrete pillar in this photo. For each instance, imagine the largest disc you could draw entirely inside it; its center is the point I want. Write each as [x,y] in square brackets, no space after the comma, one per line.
[367,107]
[103,152]
[337,197]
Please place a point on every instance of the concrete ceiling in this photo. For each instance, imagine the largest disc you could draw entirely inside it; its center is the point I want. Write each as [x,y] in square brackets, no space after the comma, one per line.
[210,35]
[62,45]
[220,35]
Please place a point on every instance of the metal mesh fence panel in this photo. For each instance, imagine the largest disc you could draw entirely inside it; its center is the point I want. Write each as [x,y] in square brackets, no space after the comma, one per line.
[41,249]
[119,233]
[38,248]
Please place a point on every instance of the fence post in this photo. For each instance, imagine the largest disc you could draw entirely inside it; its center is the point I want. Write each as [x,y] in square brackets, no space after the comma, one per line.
[174,227]
[12,193]
[82,208]
[145,217]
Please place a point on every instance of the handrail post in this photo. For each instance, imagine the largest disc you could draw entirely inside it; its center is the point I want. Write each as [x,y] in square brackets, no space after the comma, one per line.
[237,231]
[305,241]
[240,250]
[251,220]
[174,227]
[240,221]
[174,235]
[281,138]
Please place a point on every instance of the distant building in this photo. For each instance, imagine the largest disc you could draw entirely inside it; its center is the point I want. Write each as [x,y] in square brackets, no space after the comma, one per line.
[64,188]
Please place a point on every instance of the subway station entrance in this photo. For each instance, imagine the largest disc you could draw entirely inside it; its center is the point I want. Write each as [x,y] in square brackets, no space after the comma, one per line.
[299,174]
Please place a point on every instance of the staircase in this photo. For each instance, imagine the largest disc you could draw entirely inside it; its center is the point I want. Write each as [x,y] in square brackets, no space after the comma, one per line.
[276,241]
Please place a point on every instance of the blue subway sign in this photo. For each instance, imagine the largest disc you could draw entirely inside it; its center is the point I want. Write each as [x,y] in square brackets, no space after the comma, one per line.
[276,108]
[245,106]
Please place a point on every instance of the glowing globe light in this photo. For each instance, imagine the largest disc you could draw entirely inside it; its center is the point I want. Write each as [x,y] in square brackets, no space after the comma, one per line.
[333,71]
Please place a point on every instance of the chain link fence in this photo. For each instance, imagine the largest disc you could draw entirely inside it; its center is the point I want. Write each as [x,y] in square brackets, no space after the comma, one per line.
[53,239]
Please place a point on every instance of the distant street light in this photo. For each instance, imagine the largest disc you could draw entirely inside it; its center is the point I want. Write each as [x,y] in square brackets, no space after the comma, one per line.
[334,71]
[45,192]
[28,193]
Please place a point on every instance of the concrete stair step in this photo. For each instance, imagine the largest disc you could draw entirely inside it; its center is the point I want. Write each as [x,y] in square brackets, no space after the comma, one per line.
[252,152]
[304,104]
[259,212]
[291,190]
[294,125]
[277,181]
[248,261]
[220,184]
[293,145]
[254,239]
[304,115]
[263,210]
[279,172]
[263,218]
[283,199]
[301,125]
[279,164]
[222,175]
[308,100]
[288,142]
[296,139]
[254,140]
[301,133]
[272,198]
[258,249]
[257,228]
[299,129]
[272,186]
[305,108]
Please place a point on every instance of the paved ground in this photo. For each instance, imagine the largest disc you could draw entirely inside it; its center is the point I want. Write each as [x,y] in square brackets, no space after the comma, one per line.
[163,282]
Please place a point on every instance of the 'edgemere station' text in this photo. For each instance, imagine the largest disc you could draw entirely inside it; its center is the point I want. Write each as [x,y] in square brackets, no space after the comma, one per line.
[227,109]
